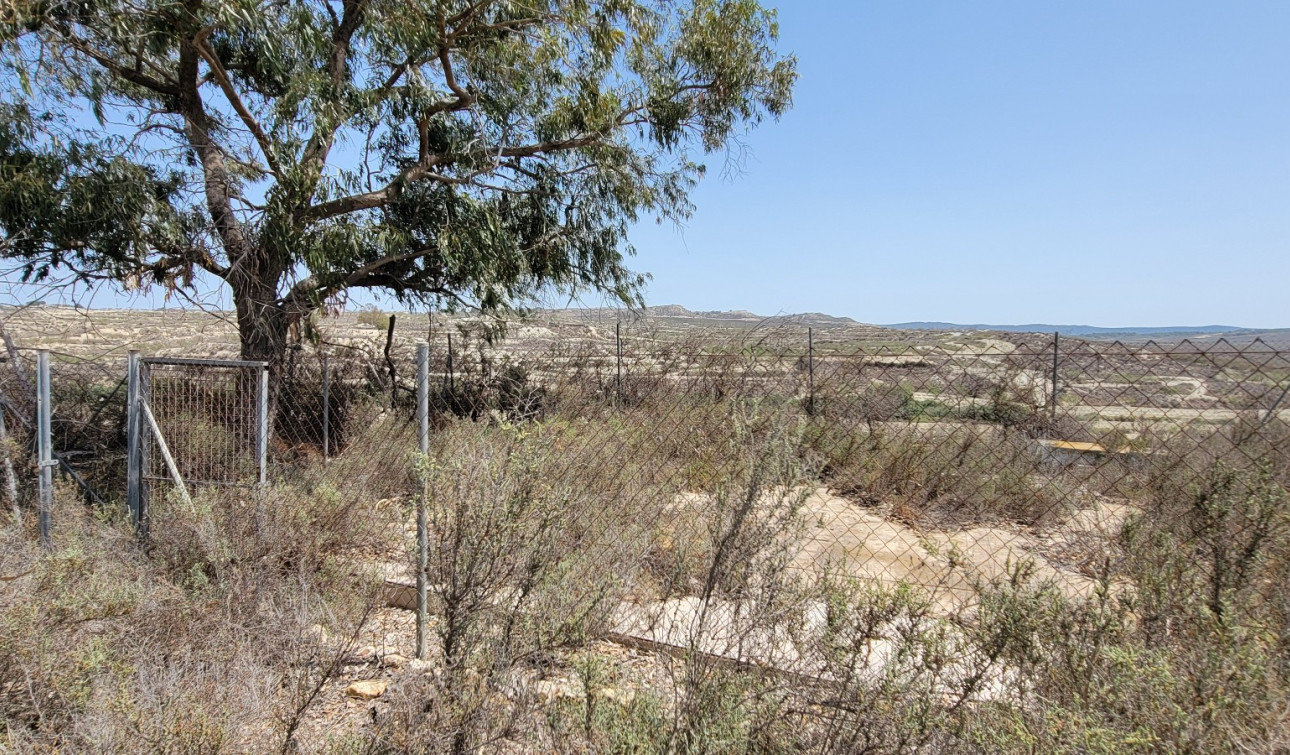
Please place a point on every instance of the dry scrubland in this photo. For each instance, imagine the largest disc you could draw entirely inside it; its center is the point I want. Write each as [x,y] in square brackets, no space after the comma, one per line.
[701,558]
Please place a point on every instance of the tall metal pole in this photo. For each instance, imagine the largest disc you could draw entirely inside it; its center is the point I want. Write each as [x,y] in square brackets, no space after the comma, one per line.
[1052,400]
[810,371]
[326,408]
[423,545]
[145,450]
[618,348]
[263,449]
[44,448]
[134,471]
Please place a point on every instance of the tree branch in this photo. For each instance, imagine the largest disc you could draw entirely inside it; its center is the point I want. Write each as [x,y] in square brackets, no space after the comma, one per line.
[422,171]
[131,75]
[449,77]
[226,85]
[218,185]
[316,151]
[468,13]
[311,288]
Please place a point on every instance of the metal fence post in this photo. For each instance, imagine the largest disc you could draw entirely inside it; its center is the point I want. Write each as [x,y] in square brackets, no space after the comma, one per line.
[326,408]
[618,348]
[263,449]
[1052,399]
[810,371]
[44,449]
[423,544]
[145,451]
[134,460]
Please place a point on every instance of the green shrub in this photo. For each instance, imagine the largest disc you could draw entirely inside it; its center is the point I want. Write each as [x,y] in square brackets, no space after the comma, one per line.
[374,318]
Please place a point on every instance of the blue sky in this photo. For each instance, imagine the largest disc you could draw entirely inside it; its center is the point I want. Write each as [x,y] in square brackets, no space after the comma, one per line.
[1105,163]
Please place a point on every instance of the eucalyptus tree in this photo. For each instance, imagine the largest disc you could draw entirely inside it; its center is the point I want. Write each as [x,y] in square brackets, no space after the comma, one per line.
[465,152]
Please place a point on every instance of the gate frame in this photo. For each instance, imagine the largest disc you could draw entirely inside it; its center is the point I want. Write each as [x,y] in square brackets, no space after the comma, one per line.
[139,416]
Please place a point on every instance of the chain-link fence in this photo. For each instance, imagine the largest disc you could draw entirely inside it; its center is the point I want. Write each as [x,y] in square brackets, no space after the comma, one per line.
[785,500]
[684,474]
[84,432]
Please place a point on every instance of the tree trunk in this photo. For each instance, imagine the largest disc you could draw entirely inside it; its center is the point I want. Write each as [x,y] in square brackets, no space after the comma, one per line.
[262,326]
[262,323]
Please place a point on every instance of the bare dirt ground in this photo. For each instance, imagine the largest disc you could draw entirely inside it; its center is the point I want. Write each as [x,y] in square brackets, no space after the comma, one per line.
[843,540]
[836,538]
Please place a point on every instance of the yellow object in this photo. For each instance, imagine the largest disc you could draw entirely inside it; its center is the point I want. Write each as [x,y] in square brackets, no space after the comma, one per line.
[1082,447]
[1074,445]
[366,690]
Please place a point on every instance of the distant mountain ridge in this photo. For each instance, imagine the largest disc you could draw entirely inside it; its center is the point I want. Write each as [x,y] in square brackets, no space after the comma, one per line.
[744,317]
[1076,330]
[819,318]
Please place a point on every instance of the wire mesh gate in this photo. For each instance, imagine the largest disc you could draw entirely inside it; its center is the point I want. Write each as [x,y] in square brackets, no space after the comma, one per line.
[195,422]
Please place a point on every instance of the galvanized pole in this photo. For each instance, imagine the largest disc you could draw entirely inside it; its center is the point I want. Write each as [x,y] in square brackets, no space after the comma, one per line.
[326,408]
[145,457]
[423,545]
[810,371]
[618,348]
[134,473]
[262,448]
[1052,400]
[264,427]
[44,449]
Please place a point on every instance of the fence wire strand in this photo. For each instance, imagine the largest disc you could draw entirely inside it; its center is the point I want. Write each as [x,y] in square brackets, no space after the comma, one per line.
[717,494]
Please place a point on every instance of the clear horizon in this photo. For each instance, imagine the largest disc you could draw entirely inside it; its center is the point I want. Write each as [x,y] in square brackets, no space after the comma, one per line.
[1108,165]
[394,307]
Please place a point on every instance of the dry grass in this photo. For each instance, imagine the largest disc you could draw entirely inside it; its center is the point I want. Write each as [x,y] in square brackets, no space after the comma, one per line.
[201,644]
[560,500]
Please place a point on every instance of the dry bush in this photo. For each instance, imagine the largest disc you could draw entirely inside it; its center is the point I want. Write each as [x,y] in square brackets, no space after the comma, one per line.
[491,388]
[374,462]
[522,562]
[751,601]
[506,536]
[941,475]
[744,599]
[298,420]
[898,677]
[532,546]
[373,318]
[1182,648]
[201,645]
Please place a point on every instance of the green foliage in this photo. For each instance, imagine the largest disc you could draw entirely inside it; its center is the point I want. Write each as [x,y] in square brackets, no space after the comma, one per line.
[1180,648]
[441,151]
[72,203]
